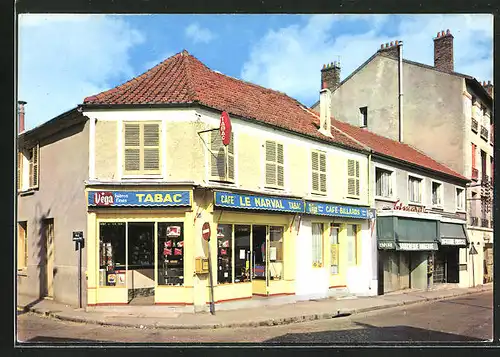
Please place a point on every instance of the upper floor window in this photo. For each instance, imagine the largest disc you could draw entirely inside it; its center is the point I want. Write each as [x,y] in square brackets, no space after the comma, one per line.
[142,148]
[28,176]
[318,161]
[22,245]
[414,189]
[353,178]
[460,195]
[363,116]
[437,194]
[221,158]
[275,170]
[383,182]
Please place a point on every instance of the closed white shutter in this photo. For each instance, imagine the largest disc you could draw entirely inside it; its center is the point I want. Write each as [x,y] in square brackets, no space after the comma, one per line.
[271,178]
[322,172]
[315,173]
[142,148]
[151,153]
[33,166]
[222,165]
[353,185]
[19,170]
[274,164]
[132,148]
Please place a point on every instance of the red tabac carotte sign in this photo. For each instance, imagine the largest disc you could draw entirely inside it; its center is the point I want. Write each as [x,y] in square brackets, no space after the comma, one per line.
[225,128]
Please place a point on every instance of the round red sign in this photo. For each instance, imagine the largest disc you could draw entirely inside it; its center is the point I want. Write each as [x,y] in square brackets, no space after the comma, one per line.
[205,231]
[225,128]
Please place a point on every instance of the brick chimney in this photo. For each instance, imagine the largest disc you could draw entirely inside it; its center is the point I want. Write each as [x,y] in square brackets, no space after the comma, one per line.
[489,88]
[330,76]
[20,127]
[390,49]
[443,51]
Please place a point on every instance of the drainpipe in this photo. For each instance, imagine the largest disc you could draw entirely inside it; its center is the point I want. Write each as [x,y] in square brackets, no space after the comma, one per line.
[371,203]
[400,82]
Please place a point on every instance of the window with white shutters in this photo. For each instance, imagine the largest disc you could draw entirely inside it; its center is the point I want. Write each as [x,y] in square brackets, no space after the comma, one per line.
[414,189]
[33,164]
[142,148]
[221,158]
[383,182]
[275,170]
[353,178]
[318,168]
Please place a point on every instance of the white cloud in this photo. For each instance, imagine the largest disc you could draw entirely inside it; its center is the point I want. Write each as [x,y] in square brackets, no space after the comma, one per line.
[290,59]
[64,58]
[199,34]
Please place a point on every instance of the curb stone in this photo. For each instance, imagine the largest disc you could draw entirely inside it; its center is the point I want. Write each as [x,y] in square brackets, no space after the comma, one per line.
[268,322]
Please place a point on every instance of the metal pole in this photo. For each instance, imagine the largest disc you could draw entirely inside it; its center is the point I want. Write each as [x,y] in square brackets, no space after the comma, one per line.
[79,275]
[211,279]
[473,278]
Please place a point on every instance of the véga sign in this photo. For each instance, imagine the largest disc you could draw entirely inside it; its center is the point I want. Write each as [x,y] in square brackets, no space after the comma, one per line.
[328,209]
[139,198]
[234,200]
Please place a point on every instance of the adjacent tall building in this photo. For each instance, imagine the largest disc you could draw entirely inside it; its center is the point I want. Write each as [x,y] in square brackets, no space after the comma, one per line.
[445,114]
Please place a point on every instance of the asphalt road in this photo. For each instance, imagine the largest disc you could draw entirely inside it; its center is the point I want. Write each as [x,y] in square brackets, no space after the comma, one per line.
[467,318]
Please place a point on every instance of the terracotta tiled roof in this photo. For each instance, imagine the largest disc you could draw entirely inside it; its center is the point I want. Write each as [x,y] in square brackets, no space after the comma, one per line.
[394,149]
[182,78]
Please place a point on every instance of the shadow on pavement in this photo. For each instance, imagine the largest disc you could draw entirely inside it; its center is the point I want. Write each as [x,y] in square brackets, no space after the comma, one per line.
[369,334]
[50,339]
[28,306]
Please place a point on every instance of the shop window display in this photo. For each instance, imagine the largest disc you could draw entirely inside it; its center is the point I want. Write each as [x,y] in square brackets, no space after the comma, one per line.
[171,254]
[276,253]
[242,254]
[334,249]
[112,267]
[224,254]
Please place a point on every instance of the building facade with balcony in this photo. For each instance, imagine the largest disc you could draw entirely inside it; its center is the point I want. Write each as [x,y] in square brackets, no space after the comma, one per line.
[445,114]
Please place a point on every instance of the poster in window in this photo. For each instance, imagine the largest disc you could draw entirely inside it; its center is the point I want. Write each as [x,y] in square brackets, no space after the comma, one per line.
[334,249]
[173,231]
[272,254]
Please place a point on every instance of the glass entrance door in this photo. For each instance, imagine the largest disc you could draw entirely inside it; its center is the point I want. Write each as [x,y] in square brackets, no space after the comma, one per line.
[260,246]
[141,262]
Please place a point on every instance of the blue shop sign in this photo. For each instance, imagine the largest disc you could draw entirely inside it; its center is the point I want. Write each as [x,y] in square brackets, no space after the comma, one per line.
[328,209]
[234,200]
[139,198]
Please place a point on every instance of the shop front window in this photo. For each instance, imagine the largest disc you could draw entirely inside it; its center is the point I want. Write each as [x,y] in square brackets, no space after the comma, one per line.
[352,249]
[242,254]
[112,262]
[171,254]
[334,249]
[276,253]
[317,245]
[224,254]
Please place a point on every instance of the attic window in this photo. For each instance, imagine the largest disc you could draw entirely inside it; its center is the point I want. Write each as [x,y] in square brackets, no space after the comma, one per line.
[363,117]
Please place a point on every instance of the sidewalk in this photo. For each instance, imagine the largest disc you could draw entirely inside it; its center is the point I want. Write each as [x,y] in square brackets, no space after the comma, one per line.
[166,318]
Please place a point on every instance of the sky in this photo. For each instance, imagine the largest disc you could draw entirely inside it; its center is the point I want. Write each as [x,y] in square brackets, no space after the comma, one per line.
[64,58]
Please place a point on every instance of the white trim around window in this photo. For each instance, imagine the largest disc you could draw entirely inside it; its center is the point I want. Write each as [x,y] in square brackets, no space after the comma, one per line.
[391,186]
[421,189]
[440,194]
[458,207]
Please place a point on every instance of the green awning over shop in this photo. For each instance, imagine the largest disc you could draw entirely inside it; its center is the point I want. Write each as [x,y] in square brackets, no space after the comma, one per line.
[403,233]
[453,234]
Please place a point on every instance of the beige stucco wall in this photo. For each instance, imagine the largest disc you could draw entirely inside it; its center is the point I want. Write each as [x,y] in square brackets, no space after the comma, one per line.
[433,119]
[106,147]
[63,169]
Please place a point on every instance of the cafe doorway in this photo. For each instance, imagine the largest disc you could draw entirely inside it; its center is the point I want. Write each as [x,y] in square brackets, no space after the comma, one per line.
[260,279]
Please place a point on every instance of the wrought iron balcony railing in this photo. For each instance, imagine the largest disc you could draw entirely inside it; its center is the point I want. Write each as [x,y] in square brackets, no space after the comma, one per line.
[475,173]
[484,133]
[474,125]
[485,223]
[474,221]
